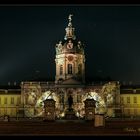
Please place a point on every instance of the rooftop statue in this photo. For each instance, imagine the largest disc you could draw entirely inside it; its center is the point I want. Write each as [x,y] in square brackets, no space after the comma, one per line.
[70,19]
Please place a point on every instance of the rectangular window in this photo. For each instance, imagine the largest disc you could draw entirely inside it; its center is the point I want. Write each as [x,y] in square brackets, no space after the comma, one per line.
[61,69]
[18,101]
[12,100]
[0,100]
[135,99]
[69,68]
[128,100]
[5,100]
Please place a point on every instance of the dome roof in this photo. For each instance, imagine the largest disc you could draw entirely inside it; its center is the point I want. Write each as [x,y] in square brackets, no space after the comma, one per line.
[70,43]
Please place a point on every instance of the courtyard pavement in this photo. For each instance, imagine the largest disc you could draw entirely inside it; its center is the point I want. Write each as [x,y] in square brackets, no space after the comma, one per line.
[70,128]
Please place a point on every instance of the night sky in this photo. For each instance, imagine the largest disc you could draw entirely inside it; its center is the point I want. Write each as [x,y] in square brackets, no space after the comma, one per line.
[28,35]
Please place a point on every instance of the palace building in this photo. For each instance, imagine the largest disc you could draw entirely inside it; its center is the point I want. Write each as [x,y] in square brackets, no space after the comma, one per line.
[28,99]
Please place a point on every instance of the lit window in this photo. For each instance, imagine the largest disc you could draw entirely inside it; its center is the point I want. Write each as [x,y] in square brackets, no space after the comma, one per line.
[128,99]
[12,100]
[69,68]
[18,100]
[5,100]
[135,99]
[61,69]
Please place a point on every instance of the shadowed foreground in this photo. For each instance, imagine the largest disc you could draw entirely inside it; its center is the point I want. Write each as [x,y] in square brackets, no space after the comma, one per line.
[69,128]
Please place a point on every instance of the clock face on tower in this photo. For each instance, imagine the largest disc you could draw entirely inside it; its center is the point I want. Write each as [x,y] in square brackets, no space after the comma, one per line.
[70,45]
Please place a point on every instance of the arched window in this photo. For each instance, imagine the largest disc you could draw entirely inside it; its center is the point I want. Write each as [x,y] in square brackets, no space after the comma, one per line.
[61,69]
[69,68]
[80,69]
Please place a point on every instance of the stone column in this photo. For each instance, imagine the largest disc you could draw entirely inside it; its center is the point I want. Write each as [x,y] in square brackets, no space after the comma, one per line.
[89,109]
[49,106]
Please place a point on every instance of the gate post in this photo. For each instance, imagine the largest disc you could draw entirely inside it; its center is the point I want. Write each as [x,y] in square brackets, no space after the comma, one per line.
[49,106]
[89,109]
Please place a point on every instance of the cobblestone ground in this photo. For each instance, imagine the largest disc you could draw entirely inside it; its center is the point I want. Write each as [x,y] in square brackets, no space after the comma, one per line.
[67,128]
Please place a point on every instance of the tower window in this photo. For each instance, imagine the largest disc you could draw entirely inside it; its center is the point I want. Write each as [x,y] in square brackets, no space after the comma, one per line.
[79,68]
[69,68]
[61,69]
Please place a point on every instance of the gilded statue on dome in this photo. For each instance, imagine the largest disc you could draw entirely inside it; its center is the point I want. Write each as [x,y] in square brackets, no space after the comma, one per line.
[70,19]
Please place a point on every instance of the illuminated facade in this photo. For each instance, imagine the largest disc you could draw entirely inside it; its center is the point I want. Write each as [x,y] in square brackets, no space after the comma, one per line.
[70,58]
[130,101]
[10,100]
[28,100]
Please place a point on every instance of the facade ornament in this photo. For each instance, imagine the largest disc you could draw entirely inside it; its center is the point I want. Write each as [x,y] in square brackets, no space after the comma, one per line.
[70,19]
[69,29]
